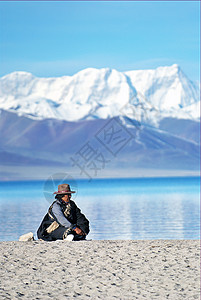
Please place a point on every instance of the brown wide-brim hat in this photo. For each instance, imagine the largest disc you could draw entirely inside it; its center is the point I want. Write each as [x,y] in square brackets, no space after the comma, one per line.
[64,189]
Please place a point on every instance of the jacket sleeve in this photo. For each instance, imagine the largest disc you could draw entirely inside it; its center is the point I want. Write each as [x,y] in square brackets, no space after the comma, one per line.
[81,221]
[59,216]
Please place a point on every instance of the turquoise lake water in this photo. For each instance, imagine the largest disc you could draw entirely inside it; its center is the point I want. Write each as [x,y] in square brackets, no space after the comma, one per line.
[140,208]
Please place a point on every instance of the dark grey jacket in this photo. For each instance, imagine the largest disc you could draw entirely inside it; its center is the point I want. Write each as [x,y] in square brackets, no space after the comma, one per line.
[60,220]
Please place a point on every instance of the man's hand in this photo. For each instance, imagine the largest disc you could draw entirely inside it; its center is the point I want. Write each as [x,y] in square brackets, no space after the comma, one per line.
[78,231]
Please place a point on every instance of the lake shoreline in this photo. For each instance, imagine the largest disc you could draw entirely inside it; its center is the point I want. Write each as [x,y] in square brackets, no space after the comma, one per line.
[101,269]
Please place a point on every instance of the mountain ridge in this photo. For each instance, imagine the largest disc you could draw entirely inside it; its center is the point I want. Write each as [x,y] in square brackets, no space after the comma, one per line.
[52,143]
[45,122]
[101,94]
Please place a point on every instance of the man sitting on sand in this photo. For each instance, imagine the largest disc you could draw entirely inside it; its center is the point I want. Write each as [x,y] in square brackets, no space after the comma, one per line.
[64,220]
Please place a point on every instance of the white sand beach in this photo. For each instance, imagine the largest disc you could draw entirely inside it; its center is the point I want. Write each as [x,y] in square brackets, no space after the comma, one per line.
[157,269]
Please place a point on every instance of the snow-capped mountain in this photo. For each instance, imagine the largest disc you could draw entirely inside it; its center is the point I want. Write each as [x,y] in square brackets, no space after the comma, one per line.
[46,121]
[146,95]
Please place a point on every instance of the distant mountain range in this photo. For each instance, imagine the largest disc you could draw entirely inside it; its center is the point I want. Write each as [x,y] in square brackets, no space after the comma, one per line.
[138,120]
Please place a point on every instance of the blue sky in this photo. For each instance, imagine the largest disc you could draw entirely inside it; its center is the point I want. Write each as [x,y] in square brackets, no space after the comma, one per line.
[61,38]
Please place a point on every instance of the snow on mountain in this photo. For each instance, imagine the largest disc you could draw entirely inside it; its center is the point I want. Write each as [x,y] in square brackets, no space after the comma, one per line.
[193,110]
[165,87]
[90,93]
[146,95]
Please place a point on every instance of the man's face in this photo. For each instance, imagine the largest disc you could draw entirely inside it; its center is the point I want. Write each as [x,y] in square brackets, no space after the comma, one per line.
[66,197]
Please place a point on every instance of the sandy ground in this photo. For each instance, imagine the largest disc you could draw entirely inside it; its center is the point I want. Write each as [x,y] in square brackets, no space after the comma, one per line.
[100,270]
